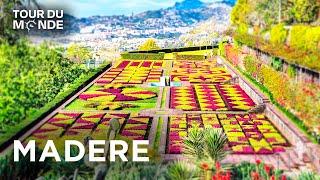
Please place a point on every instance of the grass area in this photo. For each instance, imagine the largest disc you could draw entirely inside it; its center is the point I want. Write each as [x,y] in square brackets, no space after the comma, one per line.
[168,56]
[163,98]
[79,104]
[59,99]
[199,52]
[158,134]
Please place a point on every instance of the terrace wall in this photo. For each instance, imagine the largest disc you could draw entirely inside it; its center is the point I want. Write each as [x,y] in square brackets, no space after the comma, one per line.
[300,142]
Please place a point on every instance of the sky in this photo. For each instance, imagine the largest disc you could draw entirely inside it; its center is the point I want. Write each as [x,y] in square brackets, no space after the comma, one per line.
[85,8]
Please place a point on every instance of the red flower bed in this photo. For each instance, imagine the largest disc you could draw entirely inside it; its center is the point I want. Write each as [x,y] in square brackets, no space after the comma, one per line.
[123,64]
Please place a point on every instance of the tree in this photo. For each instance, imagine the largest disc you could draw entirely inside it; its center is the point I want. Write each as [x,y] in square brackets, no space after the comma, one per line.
[6,18]
[78,53]
[150,44]
[240,12]
[305,11]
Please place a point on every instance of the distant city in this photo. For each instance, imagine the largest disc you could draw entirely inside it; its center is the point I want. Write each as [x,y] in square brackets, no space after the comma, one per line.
[125,33]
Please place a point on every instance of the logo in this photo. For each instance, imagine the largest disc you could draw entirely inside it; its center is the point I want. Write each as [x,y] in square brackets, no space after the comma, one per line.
[38,20]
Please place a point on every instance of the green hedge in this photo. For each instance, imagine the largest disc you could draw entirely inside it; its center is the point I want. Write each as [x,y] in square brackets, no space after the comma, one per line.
[189,57]
[278,34]
[36,115]
[305,38]
[143,56]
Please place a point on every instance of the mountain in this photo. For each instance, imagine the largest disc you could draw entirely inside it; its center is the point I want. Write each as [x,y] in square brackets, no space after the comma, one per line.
[182,14]
[189,4]
[229,2]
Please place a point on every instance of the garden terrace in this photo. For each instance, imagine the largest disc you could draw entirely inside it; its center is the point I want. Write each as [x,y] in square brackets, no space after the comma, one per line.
[164,115]
[79,126]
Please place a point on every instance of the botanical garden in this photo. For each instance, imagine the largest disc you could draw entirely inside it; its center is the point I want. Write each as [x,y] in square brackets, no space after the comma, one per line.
[246,108]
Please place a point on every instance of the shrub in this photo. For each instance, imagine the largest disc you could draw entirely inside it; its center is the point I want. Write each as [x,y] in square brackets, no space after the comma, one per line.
[277,64]
[246,170]
[278,34]
[181,170]
[291,71]
[250,64]
[243,29]
[275,82]
[312,37]
[305,38]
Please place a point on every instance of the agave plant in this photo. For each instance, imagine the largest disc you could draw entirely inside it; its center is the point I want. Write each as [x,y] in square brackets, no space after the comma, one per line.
[308,176]
[194,144]
[205,144]
[215,141]
[182,170]
[136,170]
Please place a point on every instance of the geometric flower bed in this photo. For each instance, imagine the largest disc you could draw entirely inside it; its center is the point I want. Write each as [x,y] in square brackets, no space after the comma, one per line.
[78,126]
[198,72]
[247,134]
[210,97]
[183,98]
[133,72]
[115,97]
[235,97]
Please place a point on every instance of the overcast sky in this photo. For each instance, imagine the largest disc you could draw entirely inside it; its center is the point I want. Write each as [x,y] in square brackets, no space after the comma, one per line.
[85,8]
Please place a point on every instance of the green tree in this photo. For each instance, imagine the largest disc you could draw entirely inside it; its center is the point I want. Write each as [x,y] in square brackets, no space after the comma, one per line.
[6,18]
[31,76]
[305,11]
[240,12]
[149,44]
[268,10]
[78,53]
